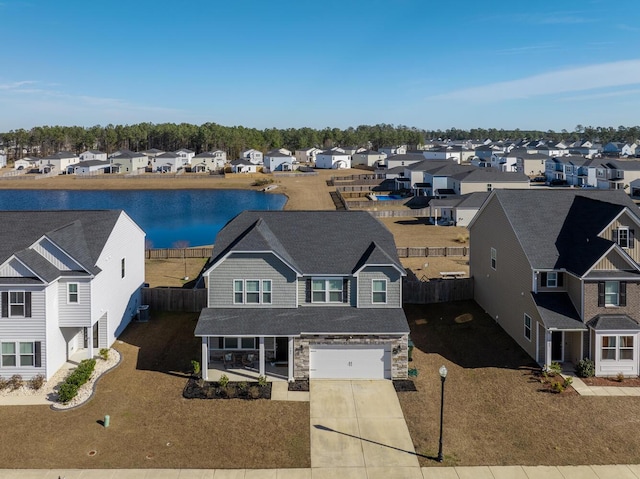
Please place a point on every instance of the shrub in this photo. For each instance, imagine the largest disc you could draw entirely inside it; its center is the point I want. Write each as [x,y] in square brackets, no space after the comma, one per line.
[568,381]
[104,354]
[36,382]
[557,387]
[254,392]
[4,383]
[620,377]
[554,368]
[195,366]
[262,381]
[224,381]
[262,182]
[242,386]
[462,238]
[80,375]
[15,382]
[586,368]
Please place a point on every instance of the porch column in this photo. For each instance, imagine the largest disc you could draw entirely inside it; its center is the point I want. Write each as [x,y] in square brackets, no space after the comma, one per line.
[90,340]
[262,356]
[204,367]
[547,348]
[290,359]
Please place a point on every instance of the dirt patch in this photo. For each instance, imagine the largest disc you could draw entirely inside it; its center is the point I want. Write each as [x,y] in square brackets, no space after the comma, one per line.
[404,385]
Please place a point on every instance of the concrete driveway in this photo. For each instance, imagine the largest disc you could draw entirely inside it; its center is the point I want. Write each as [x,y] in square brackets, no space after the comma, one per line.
[359,424]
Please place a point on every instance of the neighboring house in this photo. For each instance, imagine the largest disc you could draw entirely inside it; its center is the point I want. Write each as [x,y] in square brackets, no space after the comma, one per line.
[457,154]
[404,159]
[485,152]
[167,162]
[333,159]
[532,164]
[558,270]
[151,153]
[93,155]
[618,149]
[350,150]
[186,155]
[319,291]
[585,148]
[572,169]
[209,161]
[3,160]
[307,155]
[368,158]
[126,161]
[284,151]
[89,167]
[460,210]
[254,156]
[393,150]
[58,162]
[69,284]
[276,161]
[26,163]
[615,174]
[243,166]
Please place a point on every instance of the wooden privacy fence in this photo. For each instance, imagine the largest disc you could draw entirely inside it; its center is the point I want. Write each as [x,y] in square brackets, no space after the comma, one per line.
[167,253]
[421,252]
[175,299]
[437,291]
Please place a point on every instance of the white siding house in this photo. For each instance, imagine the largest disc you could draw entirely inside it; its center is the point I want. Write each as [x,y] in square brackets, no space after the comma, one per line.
[93,155]
[58,163]
[333,160]
[69,284]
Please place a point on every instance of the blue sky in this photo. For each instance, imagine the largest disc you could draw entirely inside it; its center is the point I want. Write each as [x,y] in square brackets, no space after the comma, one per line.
[434,65]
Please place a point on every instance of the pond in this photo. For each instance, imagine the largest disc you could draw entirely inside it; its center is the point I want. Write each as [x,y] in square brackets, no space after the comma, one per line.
[167,216]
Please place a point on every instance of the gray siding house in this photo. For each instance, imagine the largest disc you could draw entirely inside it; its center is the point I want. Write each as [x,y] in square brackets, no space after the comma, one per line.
[318,291]
[558,270]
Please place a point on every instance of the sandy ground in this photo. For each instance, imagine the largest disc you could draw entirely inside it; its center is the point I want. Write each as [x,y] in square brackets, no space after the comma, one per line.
[303,192]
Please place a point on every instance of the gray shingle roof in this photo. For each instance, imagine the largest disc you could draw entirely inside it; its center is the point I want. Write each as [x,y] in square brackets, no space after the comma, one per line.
[82,234]
[559,228]
[294,321]
[317,242]
[613,322]
[557,311]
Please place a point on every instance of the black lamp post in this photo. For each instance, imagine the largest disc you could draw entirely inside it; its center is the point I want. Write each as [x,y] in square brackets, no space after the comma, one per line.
[443,376]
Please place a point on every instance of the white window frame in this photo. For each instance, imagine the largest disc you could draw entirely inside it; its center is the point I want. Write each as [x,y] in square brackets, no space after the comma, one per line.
[16,303]
[254,293]
[123,268]
[326,290]
[552,279]
[607,295]
[494,259]
[14,355]
[264,293]
[71,294]
[617,347]
[31,355]
[527,327]
[626,239]
[373,291]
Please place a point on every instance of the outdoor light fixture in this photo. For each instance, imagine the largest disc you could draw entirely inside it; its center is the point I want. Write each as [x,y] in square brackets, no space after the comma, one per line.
[443,376]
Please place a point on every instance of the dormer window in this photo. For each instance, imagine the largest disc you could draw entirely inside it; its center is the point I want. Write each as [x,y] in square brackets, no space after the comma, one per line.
[624,236]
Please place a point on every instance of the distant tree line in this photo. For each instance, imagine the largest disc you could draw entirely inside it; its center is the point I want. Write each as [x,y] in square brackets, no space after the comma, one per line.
[45,140]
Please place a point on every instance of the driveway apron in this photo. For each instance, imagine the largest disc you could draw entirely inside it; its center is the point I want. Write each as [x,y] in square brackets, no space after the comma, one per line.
[358,424]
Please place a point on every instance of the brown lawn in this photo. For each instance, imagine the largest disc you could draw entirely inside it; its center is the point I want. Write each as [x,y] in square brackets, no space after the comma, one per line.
[170,272]
[152,426]
[495,410]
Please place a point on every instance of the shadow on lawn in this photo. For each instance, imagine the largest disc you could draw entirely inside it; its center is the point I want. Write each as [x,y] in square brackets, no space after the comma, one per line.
[465,335]
[166,343]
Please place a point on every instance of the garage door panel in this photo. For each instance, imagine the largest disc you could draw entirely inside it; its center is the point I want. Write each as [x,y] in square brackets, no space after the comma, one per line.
[349,362]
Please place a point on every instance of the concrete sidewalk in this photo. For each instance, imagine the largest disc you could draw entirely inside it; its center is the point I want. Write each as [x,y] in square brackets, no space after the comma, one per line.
[584,390]
[478,472]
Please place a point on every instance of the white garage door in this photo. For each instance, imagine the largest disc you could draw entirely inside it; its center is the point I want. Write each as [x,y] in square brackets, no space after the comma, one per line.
[350,361]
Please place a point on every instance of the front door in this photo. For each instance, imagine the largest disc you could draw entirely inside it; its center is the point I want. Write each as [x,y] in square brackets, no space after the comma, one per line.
[557,346]
[282,349]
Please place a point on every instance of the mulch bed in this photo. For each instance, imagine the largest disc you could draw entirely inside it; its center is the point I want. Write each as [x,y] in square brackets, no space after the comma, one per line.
[199,389]
[626,382]
[404,385]
[299,385]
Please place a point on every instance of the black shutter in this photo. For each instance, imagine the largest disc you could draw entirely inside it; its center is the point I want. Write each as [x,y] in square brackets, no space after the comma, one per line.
[37,351]
[631,239]
[543,280]
[560,279]
[601,293]
[615,236]
[308,291]
[345,290]
[5,304]
[623,293]
[27,304]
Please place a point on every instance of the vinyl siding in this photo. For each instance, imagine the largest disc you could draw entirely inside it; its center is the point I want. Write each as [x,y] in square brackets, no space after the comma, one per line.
[52,253]
[74,314]
[574,289]
[365,278]
[613,262]
[103,331]
[504,293]
[625,221]
[15,269]
[26,330]
[243,266]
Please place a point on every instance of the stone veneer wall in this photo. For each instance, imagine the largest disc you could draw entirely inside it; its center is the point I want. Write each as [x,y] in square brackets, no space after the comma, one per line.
[399,344]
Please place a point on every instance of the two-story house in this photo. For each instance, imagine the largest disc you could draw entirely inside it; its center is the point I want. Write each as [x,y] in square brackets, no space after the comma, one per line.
[69,284]
[319,291]
[209,161]
[558,270]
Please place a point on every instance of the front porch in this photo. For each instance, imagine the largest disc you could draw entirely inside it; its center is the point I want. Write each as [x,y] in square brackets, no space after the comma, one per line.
[273,372]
